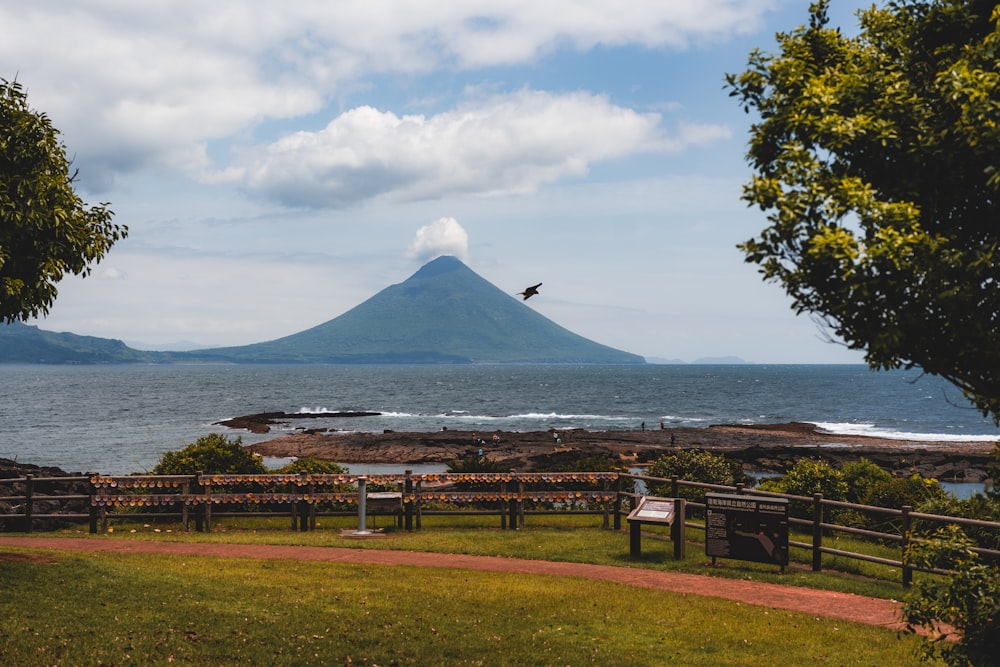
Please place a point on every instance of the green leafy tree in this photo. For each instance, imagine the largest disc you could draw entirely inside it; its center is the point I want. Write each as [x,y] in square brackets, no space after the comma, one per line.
[696,465]
[993,489]
[874,158]
[211,454]
[312,465]
[976,506]
[968,601]
[862,477]
[46,230]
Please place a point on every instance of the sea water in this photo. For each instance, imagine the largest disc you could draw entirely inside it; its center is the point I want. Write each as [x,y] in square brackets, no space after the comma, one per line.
[120,419]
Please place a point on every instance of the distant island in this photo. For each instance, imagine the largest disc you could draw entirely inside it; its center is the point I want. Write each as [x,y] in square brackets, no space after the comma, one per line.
[445,313]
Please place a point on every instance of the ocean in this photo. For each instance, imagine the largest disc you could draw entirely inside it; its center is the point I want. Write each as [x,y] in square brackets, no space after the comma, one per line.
[120,419]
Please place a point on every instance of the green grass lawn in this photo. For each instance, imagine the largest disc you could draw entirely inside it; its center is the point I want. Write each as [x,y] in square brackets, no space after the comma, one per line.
[101,609]
[122,609]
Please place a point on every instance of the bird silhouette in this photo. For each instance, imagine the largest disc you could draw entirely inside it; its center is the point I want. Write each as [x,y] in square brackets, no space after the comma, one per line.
[530,292]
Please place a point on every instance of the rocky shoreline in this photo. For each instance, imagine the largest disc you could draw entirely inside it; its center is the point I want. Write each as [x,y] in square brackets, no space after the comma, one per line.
[761,448]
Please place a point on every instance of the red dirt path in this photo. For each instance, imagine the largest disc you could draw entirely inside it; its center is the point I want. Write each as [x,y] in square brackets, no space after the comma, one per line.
[828,604]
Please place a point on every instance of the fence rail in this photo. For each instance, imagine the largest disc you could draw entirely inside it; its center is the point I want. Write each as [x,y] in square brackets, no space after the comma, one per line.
[28,502]
[303,497]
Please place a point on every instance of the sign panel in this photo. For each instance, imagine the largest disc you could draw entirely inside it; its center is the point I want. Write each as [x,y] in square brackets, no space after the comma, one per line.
[653,510]
[753,528]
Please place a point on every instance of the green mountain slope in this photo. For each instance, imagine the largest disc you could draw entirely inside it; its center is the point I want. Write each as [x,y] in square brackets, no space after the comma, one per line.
[444,313]
[24,344]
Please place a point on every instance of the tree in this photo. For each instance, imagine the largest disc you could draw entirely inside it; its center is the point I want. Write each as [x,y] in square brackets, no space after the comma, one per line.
[874,157]
[967,601]
[697,465]
[46,230]
[211,454]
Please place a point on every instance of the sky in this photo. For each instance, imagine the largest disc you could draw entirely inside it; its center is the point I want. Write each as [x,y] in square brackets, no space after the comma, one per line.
[279,163]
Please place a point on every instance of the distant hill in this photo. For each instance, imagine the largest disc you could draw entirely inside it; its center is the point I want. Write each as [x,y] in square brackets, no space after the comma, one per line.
[720,361]
[443,313]
[25,344]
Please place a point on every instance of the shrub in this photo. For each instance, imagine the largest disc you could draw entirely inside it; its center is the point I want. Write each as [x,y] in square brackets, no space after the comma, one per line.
[696,465]
[861,477]
[309,464]
[968,600]
[211,454]
[806,478]
[977,506]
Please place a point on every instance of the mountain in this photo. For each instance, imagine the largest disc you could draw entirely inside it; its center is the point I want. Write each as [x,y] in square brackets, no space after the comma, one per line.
[443,313]
[24,344]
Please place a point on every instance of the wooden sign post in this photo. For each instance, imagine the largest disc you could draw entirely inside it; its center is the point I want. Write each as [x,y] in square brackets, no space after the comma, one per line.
[657,511]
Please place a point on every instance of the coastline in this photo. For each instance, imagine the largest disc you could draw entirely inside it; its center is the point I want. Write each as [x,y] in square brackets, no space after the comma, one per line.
[768,448]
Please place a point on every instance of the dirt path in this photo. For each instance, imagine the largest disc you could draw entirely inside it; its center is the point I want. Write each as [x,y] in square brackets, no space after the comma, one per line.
[828,604]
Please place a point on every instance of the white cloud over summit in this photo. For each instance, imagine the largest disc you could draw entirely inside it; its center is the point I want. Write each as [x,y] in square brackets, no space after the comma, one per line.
[444,236]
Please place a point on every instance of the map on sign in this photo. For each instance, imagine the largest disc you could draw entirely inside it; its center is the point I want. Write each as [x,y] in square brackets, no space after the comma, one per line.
[653,510]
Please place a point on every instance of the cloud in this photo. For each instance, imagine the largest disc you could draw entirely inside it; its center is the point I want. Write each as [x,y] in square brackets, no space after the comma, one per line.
[444,236]
[153,85]
[501,144]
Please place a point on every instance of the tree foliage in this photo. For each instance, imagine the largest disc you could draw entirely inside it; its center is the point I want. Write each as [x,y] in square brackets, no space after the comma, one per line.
[875,160]
[211,454]
[968,601]
[696,465]
[808,477]
[46,230]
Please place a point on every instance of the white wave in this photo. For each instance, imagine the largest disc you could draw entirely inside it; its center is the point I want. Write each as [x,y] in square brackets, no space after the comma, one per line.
[873,431]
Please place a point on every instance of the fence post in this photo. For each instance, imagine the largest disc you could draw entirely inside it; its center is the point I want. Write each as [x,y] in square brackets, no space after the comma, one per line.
[311,506]
[93,507]
[604,504]
[207,504]
[675,487]
[677,532]
[618,503]
[817,532]
[519,505]
[905,558]
[186,506]
[503,510]
[408,499]
[29,492]
[420,484]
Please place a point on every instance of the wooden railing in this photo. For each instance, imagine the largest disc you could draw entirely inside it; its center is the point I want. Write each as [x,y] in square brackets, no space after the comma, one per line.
[818,529]
[301,496]
[29,502]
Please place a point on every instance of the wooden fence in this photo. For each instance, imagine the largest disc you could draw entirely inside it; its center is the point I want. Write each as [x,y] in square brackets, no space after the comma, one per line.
[34,501]
[30,502]
[818,528]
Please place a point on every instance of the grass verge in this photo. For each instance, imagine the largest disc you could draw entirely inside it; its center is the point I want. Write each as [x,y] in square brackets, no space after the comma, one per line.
[100,609]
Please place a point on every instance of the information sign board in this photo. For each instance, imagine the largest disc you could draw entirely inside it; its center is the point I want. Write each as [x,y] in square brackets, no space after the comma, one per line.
[753,528]
[653,510]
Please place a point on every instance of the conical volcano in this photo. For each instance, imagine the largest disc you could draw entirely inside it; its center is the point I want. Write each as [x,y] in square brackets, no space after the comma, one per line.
[443,313]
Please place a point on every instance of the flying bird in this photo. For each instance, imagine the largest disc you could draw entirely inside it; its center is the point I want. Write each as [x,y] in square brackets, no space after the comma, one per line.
[531,291]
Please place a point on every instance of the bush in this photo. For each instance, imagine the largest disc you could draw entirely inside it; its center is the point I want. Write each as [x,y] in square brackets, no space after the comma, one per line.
[808,477]
[968,600]
[696,465]
[805,478]
[861,478]
[211,454]
[977,506]
[313,466]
